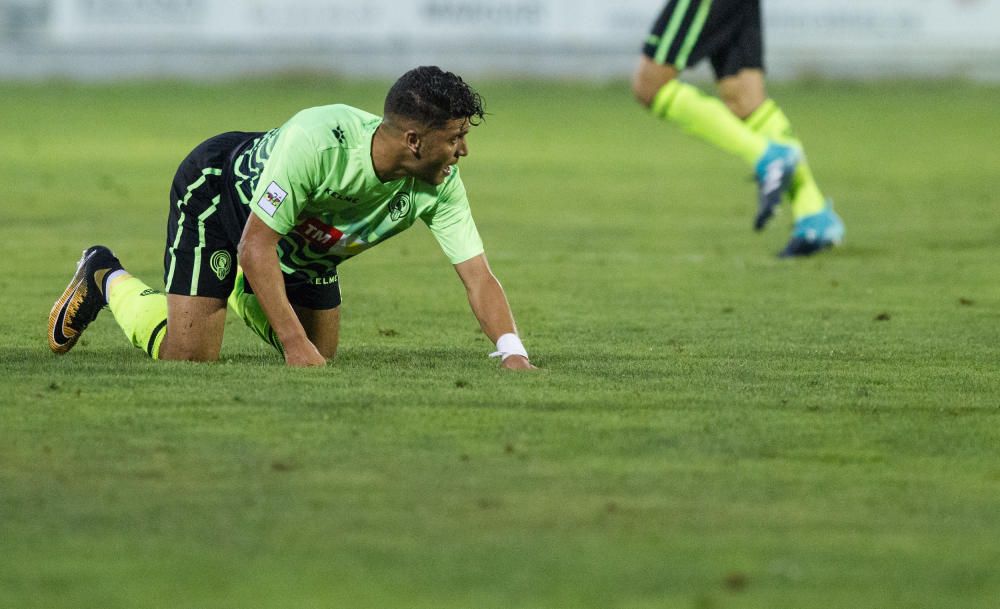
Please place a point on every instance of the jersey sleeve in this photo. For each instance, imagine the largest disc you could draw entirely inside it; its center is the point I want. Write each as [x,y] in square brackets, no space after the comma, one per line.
[451,223]
[290,177]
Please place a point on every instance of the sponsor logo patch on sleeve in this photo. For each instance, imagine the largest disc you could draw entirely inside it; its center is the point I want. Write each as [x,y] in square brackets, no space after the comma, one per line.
[272,199]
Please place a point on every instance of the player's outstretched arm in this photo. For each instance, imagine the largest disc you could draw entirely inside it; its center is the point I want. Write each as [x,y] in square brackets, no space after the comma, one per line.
[489,304]
[259,260]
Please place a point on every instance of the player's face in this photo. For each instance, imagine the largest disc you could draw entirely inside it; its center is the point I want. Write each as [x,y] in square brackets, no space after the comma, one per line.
[440,149]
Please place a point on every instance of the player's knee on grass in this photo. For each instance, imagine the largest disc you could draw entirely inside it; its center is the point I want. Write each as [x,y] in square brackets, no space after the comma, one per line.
[184,352]
[327,351]
[322,326]
[194,328]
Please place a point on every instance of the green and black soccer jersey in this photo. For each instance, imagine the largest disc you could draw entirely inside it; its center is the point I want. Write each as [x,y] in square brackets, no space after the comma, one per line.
[727,32]
[311,180]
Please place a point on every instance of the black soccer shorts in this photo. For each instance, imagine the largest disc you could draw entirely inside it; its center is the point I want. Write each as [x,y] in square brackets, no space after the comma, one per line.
[205,224]
[728,32]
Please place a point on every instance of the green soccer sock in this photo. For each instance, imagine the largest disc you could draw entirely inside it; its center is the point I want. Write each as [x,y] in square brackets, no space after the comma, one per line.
[769,121]
[709,119]
[140,311]
[248,308]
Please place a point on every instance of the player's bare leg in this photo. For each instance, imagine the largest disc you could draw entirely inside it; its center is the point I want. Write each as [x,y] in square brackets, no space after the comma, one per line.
[743,92]
[322,327]
[195,325]
[649,78]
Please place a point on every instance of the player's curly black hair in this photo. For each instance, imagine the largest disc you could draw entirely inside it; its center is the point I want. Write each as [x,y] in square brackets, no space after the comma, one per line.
[433,97]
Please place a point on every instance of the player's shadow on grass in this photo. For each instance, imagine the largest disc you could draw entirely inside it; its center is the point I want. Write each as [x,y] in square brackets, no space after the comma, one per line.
[119,359]
[405,358]
[123,360]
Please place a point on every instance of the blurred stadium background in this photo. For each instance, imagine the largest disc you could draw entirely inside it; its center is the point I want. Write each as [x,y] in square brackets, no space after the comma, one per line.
[113,39]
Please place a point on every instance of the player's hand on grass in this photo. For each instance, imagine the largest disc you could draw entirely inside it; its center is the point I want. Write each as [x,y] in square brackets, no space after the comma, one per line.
[518,362]
[303,354]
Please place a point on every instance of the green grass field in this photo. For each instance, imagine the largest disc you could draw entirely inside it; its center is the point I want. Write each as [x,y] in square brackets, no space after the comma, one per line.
[712,428]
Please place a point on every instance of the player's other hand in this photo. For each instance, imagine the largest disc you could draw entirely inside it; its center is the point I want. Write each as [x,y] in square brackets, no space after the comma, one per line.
[518,362]
[303,355]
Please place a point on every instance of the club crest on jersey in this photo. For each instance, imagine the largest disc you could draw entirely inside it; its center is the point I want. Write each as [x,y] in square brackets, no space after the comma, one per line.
[399,207]
[272,199]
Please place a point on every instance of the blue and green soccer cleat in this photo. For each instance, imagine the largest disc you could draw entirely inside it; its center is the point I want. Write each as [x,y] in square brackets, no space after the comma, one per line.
[82,299]
[815,233]
[773,173]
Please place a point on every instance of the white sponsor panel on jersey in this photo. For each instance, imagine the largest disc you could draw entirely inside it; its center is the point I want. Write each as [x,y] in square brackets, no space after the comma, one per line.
[271,199]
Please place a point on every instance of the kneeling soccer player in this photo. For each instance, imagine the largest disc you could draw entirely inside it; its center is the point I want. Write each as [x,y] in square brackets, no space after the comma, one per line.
[289,206]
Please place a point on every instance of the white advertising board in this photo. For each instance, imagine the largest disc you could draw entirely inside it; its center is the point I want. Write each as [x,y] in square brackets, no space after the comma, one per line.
[587,38]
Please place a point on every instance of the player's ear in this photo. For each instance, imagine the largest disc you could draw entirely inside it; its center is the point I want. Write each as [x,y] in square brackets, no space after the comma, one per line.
[412,138]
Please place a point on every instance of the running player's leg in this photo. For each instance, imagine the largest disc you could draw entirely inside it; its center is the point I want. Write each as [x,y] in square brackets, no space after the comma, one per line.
[649,78]
[744,92]
[742,88]
[769,120]
[686,32]
[739,70]
[816,225]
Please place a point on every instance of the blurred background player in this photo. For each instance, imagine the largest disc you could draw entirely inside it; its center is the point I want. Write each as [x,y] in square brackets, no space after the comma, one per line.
[289,206]
[745,122]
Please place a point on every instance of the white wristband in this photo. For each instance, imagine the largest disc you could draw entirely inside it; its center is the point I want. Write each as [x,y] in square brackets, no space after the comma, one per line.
[507,345]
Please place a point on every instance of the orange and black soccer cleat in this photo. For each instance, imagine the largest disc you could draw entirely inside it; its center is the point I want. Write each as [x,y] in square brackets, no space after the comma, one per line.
[83,298]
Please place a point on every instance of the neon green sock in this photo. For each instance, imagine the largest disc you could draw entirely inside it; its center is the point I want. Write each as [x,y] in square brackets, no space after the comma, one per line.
[140,311]
[709,119]
[248,308]
[769,121]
